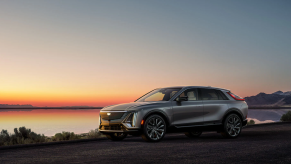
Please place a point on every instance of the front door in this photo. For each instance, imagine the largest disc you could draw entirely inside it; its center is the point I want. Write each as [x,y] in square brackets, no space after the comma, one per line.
[187,113]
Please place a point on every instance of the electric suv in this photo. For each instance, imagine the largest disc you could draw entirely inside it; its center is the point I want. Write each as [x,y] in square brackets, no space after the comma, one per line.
[190,109]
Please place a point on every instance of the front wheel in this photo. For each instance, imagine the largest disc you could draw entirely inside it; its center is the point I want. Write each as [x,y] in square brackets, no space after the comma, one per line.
[232,126]
[154,129]
[116,136]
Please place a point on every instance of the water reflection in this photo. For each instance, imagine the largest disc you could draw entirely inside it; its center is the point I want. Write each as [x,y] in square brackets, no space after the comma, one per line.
[266,115]
[50,121]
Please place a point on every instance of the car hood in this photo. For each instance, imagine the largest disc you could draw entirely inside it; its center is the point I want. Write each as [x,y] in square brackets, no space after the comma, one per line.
[132,106]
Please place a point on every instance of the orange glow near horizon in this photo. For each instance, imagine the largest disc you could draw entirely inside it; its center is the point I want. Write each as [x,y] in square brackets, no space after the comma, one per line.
[85,98]
[56,101]
[48,100]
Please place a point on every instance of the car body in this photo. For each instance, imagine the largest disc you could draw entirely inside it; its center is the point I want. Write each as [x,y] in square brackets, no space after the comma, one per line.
[188,109]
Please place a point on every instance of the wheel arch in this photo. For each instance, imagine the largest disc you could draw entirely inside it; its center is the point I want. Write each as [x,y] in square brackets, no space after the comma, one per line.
[232,111]
[160,113]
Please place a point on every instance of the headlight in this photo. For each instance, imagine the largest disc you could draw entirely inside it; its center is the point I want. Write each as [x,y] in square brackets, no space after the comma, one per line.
[131,119]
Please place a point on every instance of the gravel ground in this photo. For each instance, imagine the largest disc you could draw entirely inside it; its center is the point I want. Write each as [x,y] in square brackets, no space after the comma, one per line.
[257,144]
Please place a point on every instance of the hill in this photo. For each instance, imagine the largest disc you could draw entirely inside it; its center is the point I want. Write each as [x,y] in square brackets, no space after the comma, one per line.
[276,99]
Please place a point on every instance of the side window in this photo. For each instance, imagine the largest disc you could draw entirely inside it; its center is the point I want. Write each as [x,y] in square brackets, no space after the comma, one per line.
[209,94]
[221,95]
[173,93]
[191,93]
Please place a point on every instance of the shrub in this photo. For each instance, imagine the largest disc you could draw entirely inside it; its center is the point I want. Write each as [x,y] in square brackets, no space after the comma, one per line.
[65,136]
[37,137]
[286,117]
[251,122]
[20,136]
[26,136]
[94,134]
[4,137]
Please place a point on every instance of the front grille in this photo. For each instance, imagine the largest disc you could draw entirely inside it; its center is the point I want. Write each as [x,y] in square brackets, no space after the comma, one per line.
[112,116]
[112,127]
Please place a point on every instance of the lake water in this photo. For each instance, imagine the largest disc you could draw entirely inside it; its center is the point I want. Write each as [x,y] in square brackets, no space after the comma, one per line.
[266,115]
[51,121]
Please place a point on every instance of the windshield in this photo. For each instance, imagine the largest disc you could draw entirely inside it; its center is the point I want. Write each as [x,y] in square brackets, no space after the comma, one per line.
[164,94]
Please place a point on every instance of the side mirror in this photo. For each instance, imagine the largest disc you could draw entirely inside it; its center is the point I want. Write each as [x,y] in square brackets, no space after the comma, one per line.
[184,98]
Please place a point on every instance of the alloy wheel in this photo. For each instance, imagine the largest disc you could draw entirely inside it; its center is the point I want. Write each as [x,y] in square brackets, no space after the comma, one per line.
[233,126]
[155,128]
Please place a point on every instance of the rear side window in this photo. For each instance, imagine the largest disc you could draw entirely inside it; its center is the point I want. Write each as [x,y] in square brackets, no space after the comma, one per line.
[209,94]
[221,96]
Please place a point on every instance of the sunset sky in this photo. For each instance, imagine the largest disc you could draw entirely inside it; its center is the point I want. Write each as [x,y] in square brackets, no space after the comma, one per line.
[97,53]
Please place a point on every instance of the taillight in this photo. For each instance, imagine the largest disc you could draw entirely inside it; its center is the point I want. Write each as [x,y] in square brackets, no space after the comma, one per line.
[235,97]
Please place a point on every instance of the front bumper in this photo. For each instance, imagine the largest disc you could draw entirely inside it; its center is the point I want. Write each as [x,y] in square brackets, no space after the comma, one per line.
[119,125]
[117,128]
[113,129]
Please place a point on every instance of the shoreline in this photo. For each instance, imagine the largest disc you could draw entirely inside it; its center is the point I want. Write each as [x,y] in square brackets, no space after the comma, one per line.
[54,108]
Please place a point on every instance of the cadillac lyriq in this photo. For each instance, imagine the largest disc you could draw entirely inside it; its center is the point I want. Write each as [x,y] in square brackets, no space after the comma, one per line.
[191,110]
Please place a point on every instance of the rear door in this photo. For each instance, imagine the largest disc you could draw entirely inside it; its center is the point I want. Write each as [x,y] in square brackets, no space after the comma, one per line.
[187,113]
[215,105]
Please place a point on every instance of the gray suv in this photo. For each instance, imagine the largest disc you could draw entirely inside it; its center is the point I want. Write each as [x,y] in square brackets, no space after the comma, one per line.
[190,109]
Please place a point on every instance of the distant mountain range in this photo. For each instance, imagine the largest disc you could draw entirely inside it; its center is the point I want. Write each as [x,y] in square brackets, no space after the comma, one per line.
[276,99]
[15,106]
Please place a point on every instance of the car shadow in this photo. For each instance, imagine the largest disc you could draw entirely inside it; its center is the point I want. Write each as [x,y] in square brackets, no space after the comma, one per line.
[215,137]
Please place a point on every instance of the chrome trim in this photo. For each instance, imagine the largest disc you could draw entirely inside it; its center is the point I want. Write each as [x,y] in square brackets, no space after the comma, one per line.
[100,119]
[123,121]
[134,119]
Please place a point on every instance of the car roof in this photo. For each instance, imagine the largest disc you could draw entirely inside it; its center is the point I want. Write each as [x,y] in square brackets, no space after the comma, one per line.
[208,87]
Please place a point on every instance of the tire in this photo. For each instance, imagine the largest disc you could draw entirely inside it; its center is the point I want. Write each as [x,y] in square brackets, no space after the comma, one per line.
[154,129]
[232,126]
[116,136]
[193,134]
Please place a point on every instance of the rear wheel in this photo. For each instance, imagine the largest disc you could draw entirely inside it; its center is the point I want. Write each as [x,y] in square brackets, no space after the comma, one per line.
[232,126]
[193,134]
[116,136]
[154,128]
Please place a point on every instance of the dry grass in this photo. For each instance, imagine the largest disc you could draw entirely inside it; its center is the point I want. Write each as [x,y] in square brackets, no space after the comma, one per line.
[26,136]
